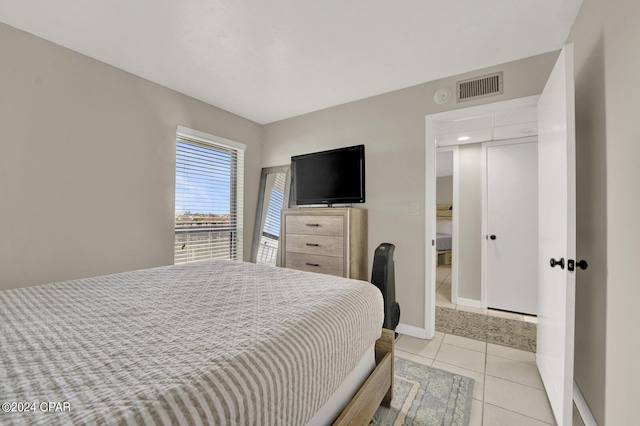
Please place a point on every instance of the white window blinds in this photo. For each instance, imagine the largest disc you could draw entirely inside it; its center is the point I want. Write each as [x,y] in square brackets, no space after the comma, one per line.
[209,197]
[274,210]
[268,249]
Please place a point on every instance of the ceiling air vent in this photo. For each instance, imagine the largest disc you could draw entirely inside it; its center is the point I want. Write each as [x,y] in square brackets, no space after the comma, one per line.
[476,88]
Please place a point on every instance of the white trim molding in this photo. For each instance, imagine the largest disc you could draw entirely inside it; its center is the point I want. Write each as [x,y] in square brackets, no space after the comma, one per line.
[583,408]
[207,138]
[412,331]
[430,186]
[470,303]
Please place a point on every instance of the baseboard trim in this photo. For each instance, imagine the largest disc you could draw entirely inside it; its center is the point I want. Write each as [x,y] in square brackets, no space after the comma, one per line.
[471,303]
[411,330]
[583,408]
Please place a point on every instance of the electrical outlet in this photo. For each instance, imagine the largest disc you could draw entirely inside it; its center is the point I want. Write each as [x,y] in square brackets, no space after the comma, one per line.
[414,209]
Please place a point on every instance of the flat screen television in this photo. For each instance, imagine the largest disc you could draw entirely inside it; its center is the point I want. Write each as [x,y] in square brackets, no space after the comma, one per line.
[329,177]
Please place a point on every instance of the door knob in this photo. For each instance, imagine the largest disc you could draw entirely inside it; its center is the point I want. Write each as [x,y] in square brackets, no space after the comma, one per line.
[571,265]
[554,262]
[493,237]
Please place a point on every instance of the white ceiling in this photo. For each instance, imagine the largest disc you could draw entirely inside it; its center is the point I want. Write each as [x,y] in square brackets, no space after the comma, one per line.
[270,60]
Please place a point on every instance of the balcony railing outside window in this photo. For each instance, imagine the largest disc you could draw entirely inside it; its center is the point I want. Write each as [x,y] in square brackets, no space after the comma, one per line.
[268,250]
[203,241]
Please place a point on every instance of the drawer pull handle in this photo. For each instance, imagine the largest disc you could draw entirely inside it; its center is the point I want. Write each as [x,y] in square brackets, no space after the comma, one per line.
[312,264]
[313,245]
[313,224]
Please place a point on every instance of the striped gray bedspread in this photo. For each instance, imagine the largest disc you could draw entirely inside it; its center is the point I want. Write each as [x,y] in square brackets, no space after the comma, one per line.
[213,342]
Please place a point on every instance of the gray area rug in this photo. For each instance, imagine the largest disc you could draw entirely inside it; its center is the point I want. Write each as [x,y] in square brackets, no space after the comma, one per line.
[426,396]
[486,328]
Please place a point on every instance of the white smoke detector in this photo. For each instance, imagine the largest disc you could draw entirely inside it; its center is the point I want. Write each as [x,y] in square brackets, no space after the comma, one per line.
[442,96]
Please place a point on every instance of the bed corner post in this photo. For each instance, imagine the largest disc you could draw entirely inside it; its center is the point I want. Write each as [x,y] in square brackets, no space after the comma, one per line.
[385,345]
[377,389]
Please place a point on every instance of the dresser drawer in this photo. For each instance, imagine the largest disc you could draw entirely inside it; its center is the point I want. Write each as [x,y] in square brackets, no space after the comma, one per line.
[315,263]
[315,225]
[315,244]
[337,236]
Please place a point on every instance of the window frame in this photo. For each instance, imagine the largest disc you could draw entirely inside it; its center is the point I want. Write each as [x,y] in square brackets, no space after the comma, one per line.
[236,196]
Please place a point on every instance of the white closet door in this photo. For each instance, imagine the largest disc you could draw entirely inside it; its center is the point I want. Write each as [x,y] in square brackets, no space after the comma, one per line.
[512,227]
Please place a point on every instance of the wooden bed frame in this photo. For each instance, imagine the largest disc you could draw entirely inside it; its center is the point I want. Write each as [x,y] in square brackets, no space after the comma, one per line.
[377,389]
[444,211]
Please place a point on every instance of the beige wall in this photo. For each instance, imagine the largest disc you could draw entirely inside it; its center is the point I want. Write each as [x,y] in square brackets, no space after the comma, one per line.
[621,70]
[392,127]
[470,221]
[591,230]
[607,64]
[87,164]
[444,190]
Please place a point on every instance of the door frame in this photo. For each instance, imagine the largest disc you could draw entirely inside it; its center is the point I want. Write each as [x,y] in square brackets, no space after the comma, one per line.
[485,217]
[430,188]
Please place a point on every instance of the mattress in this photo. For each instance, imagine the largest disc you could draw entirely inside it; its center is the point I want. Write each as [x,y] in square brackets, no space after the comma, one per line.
[443,241]
[213,342]
[347,389]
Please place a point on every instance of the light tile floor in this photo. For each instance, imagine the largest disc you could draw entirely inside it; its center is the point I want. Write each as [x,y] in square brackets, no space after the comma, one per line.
[507,391]
[443,298]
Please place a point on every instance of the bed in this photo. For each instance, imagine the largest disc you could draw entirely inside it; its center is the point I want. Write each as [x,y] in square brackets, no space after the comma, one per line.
[213,342]
[443,242]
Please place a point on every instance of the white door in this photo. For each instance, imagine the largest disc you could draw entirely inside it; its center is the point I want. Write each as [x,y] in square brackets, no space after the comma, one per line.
[512,227]
[557,236]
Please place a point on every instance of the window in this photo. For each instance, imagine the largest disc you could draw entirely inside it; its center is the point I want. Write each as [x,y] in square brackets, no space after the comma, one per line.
[209,197]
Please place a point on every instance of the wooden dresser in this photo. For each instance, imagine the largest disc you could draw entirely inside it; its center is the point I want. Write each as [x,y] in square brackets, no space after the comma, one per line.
[330,240]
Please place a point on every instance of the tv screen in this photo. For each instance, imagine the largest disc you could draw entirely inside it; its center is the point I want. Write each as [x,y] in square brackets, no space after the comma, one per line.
[329,177]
